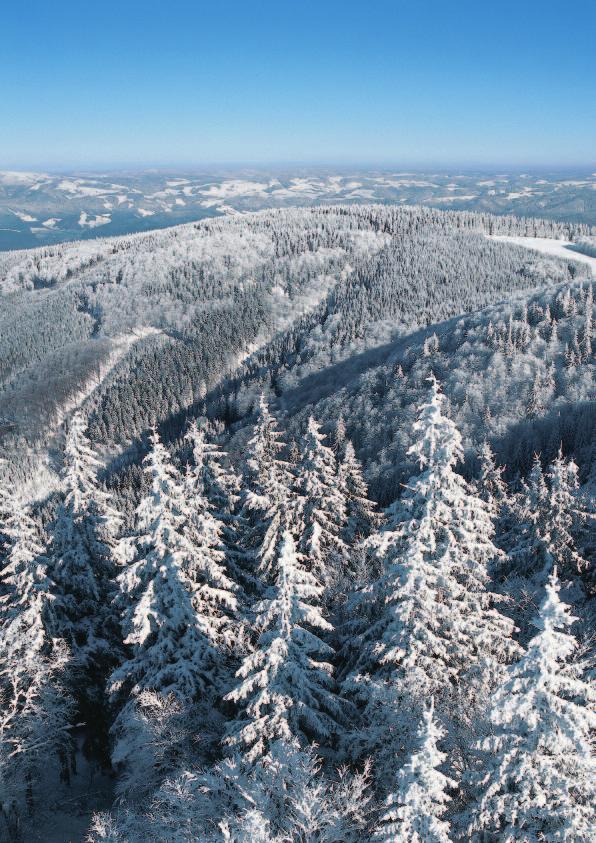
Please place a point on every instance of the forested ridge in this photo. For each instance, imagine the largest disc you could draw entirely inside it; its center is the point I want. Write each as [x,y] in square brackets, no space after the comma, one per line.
[297,529]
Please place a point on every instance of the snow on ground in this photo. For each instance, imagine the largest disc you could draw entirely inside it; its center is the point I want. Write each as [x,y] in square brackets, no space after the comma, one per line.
[12,177]
[548,246]
[23,217]
[85,221]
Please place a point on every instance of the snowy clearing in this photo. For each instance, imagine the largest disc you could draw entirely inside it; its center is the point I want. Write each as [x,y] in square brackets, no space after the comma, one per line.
[554,248]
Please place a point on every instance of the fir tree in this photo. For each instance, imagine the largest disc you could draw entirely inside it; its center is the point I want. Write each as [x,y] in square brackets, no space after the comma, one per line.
[173,647]
[214,597]
[492,488]
[217,484]
[176,600]
[538,775]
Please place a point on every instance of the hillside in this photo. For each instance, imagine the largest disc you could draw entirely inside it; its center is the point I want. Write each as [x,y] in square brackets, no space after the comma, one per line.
[142,328]
[223,445]
[39,209]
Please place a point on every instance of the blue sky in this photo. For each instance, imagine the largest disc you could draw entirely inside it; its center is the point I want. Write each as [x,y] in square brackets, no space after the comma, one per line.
[195,83]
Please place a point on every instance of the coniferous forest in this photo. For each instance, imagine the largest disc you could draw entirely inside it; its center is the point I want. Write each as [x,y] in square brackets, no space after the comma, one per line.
[297,533]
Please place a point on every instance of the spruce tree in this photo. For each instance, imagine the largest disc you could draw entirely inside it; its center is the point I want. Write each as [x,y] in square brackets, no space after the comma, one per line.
[84,556]
[537,772]
[172,647]
[361,515]
[437,631]
[286,690]
[323,515]
[414,813]
[176,601]
[269,505]
[36,712]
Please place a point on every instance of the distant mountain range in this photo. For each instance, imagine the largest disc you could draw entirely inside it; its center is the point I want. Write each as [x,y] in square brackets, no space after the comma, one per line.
[38,209]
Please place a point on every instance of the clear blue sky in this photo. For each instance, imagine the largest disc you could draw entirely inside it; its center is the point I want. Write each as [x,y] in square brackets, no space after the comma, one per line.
[193,83]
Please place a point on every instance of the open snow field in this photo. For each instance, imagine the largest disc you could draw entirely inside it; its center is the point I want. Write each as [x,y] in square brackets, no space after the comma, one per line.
[554,248]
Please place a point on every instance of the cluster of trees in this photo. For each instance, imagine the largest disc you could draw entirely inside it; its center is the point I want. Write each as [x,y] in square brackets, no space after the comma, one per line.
[221,288]
[265,657]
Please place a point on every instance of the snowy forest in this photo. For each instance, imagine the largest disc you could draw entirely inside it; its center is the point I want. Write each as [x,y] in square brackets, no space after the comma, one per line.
[297,533]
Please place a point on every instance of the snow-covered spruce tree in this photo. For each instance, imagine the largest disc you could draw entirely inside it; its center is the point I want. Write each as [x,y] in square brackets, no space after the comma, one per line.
[323,510]
[215,482]
[492,488]
[565,516]
[550,514]
[84,555]
[35,710]
[436,631]
[286,690]
[413,814]
[537,772]
[269,504]
[175,598]
[214,598]
[288,793]
[361,515]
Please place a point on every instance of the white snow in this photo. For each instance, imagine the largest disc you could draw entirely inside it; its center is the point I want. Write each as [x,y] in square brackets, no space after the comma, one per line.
[548,246]
[85,221]
[145,213]
[13,178]
[24,217]
[52,222]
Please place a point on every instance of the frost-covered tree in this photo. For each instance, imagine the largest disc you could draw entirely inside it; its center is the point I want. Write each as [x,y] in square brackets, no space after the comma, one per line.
[361,514]
[286,690]
[436,622]
[214,597]
[492,488]
[550,515]
[176,598]
[84,554]
[537,772]
[269,506]
[35,710]
[324,509]
[207,474]
[413,814]
[565,516]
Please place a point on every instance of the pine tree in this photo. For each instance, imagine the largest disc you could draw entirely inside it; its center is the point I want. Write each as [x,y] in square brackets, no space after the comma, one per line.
[549,513]
[324,509]
[563,513]
[436,619]
[286,690]
[413,814]
[538,774]
[586,342]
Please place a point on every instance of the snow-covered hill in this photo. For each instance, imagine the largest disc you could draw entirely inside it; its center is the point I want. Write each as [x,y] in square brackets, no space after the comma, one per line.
[48,208]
